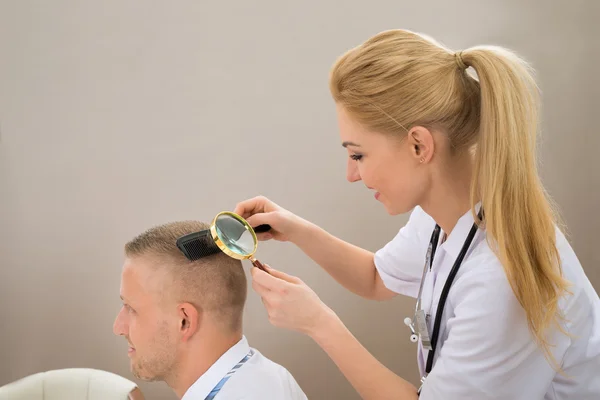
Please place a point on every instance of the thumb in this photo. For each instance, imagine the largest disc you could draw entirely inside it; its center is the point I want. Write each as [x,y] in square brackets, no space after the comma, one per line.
[261,219]
[267,281]
[282,275]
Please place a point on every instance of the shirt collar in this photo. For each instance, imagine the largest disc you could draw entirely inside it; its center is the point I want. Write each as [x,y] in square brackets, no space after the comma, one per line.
[456,240]
[205,383]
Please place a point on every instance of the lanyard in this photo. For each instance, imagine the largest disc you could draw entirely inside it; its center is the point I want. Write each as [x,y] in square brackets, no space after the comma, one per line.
[217,388]
[444,295]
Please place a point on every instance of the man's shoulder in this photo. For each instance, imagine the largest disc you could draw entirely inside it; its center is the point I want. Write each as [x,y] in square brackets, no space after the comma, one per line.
[263,366]
[261,377]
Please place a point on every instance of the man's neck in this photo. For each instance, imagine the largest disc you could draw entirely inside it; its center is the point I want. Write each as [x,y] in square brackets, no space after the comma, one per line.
[202,354]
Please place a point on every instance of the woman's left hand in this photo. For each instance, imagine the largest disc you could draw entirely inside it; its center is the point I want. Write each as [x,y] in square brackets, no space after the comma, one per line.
[290,303]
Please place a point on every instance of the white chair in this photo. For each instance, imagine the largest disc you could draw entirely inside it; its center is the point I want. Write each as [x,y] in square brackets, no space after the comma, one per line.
[72,384]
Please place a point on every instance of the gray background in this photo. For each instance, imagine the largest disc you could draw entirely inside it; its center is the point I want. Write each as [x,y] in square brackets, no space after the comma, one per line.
[118,115]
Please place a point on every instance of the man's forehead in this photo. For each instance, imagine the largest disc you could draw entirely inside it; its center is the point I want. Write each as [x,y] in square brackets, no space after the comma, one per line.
[133,278]
[140,277]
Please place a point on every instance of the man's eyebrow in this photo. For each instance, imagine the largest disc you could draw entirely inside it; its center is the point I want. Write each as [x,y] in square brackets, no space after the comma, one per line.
[346,144]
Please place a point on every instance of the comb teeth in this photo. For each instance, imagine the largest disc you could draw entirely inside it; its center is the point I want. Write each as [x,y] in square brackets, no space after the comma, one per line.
[197,245]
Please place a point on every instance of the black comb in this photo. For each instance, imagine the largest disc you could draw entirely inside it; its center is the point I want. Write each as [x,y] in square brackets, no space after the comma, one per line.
[198,245]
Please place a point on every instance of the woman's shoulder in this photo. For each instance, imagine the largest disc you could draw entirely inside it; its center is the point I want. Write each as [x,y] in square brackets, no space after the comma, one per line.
[419,216]
[414,234]
[420,223]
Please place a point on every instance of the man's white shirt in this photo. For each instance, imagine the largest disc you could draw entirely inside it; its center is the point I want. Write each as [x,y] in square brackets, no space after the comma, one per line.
[258,378]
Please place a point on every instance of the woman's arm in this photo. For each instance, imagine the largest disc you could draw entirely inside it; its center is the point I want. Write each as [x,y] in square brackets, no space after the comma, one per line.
[351,266]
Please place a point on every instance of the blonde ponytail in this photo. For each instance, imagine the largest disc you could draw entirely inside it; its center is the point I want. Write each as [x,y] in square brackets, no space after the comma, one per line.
[399,79]
[519,218]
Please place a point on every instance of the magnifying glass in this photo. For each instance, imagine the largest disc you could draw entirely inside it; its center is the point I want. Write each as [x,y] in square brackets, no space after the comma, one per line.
[229,233]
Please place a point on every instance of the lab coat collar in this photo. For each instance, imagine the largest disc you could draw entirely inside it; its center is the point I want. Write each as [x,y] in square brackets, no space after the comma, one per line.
[206,383]
[456,240]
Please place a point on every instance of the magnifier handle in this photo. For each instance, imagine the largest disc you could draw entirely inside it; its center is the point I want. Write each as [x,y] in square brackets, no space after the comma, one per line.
[259,265]
[262,228]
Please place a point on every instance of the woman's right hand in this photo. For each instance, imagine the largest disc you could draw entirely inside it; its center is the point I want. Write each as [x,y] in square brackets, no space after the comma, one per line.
[260,210]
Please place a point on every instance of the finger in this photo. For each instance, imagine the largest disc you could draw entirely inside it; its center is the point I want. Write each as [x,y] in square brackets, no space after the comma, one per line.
[264,236]
[260,218]
[282,275]
[263,218]
[267,281]
[266,303]
[249,207]
[266,296]
[259,288]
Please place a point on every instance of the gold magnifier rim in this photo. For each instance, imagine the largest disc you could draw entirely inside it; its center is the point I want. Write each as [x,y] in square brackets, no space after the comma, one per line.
[222,246]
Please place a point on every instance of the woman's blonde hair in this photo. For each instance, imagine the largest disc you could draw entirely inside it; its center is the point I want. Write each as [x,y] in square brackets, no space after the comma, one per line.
[399,79]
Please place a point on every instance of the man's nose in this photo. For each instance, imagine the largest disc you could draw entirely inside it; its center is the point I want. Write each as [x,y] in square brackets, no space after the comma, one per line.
[352,174]
[120,325]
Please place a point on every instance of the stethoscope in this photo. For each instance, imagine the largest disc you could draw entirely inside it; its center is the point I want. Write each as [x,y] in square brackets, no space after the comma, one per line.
[418,325]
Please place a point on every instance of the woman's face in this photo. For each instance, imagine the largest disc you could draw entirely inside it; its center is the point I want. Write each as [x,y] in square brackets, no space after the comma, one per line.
[390,166]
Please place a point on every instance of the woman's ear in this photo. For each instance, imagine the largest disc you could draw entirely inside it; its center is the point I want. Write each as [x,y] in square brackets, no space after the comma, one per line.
[421,144]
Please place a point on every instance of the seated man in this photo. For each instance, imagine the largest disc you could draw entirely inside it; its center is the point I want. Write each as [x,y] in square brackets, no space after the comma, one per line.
[183,322]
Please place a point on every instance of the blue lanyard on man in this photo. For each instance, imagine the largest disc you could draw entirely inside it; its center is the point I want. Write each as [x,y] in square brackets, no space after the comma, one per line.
[217,388]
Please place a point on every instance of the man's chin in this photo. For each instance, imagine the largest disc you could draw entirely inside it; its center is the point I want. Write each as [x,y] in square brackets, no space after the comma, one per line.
[144,375]
[147,378]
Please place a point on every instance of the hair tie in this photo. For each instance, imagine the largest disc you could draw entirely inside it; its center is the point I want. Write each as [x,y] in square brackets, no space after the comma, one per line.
[459,61]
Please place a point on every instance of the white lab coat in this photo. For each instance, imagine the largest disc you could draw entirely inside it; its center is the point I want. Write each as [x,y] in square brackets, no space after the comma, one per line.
[485,350]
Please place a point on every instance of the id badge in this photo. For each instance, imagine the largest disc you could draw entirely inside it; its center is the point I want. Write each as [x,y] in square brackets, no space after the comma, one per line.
[422,330]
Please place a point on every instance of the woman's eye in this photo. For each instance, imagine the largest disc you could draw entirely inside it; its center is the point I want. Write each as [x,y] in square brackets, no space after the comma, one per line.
[356,157]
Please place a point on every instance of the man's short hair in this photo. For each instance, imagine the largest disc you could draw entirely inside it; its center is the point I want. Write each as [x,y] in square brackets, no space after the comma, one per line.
[216,284]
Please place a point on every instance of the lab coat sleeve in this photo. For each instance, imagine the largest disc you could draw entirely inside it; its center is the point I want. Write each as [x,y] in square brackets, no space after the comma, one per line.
[489,352]
[400,262]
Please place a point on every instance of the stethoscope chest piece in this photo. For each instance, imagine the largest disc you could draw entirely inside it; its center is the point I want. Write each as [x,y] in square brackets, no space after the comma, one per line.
[419,329]
[408,322]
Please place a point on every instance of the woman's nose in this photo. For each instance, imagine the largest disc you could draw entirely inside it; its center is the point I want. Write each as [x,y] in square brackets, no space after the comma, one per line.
[352,174]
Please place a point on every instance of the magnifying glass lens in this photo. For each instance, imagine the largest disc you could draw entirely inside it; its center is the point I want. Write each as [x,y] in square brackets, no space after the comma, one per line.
[235,235]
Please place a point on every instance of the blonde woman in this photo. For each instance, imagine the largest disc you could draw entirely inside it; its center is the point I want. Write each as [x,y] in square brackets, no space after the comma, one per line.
[504,310]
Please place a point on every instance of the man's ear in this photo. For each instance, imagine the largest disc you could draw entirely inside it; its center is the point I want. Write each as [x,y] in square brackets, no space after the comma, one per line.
[421,144]
[189,320]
